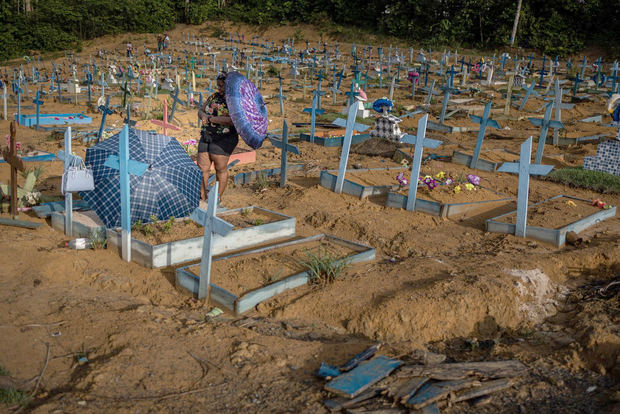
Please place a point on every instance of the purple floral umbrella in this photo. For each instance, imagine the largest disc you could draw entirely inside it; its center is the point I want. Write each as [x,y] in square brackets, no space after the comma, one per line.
[247,109]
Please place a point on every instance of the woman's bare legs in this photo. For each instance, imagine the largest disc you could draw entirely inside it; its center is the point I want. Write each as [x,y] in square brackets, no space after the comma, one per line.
[221,172]
[204,163]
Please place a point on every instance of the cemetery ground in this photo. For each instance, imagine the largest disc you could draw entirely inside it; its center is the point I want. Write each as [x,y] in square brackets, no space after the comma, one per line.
[81,330]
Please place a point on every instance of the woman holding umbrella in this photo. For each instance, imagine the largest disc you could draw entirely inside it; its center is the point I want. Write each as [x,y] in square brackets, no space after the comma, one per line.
[218,138]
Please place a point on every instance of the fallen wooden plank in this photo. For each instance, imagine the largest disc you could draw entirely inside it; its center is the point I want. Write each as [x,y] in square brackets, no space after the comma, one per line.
[485,389]
[46,209]
[409,389]
[379,411]
[357,359]
[337,404]
[430,393]
[19,223]
[354,382]
[460,370]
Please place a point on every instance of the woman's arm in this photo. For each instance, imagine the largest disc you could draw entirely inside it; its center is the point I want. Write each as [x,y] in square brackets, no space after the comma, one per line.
[222,120]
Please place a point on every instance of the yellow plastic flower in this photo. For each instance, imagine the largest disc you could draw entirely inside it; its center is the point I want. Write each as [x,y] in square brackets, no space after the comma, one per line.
[457,189]
[440,175]
[469,186]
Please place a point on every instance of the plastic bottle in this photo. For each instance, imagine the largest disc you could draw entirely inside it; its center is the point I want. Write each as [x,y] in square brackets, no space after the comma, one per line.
[79,244]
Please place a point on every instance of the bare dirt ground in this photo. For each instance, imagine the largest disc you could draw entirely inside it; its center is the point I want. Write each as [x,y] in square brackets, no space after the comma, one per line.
[124,339]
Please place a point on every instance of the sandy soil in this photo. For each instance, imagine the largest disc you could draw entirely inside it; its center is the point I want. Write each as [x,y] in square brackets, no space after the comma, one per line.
[448,286]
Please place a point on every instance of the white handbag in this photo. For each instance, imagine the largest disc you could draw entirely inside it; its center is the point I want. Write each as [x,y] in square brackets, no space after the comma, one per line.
[77,177]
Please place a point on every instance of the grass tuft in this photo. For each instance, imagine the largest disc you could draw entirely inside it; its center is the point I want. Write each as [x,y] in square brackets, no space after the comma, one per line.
[12,397]
[323,267]
[593,180]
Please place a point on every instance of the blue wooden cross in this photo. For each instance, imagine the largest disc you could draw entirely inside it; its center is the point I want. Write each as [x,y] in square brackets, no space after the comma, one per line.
[313,113]
[125,166]
[286,147]
[352,93]
[89,81]
[614,76]
[451,72]
[544,125]
[281,96]
[213,225]
[484,122]
[175,100]
[578,80]
[103,84]
[68,158]
[319,93]
[37,102]
[19,91]
[444,104]
[346,145]
[524,169]
[543,72]
[420,141]
[584,63]
[105,110]
[529,91]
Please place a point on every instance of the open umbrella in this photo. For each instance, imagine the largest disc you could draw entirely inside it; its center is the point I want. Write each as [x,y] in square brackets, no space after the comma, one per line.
[247,109]
[170,186]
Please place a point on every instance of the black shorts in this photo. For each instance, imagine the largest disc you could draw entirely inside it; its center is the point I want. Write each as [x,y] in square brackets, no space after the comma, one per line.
[218,145]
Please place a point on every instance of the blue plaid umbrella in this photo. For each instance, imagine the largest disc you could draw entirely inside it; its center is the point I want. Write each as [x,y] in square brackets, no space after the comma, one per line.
[169,187]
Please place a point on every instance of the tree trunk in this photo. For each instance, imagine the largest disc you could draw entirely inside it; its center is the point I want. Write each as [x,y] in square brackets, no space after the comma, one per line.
[516,23]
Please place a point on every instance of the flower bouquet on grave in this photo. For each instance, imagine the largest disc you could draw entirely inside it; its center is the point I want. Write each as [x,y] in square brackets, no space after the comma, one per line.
[471,183]
[191,147]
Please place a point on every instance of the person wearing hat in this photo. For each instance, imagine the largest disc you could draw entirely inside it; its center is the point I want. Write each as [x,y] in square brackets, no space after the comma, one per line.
[218,138]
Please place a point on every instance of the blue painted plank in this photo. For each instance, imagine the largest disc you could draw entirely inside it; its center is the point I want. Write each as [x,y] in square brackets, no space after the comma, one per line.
[357,380]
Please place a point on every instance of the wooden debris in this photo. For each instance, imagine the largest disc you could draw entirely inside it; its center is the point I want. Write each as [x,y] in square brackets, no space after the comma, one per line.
[460,370]
[357,359]
[485,389]
[410,388]
[431,393]
[338,404]
[19,223]
[379,411]
[354,382]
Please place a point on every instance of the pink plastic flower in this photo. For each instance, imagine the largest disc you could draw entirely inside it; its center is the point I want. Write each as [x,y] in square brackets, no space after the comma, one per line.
[473,179]
[449,181]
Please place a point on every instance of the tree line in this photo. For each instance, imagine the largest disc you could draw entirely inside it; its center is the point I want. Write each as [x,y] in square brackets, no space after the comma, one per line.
[555,27]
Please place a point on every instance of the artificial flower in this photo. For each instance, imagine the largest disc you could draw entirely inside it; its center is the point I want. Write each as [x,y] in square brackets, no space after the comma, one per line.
[457,189]
[473,179]
[440,175]
[469,186]
[449,181]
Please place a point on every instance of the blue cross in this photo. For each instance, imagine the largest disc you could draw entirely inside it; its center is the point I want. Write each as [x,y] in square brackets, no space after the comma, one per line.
[420,141]
[484,122]
[524,169]
[529,91]
[37,102]
[105,110]
[285,147]
[544,125]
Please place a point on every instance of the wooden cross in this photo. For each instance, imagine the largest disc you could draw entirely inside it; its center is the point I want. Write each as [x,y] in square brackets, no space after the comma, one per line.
[447,89]
[213,225]
[68,159]
[164,123]
[484,122]
[319,92]
[286,147]
[314,111]
[175,100]
[349,125]
[281,97]
[18,90]
[511,81]
[528,92]
[17,164]
[420,141]
[543,72]
[125,166]
[105,110]
[614,76]
[544,125]
[37,102]
[524,169]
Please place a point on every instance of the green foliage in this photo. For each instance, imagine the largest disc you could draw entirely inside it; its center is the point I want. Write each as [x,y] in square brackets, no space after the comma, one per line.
[323,267]
[12,396]
[594,180]
[552,26]
[98,238]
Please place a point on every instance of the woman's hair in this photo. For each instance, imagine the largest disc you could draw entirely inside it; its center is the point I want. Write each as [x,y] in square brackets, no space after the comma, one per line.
[221,76]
